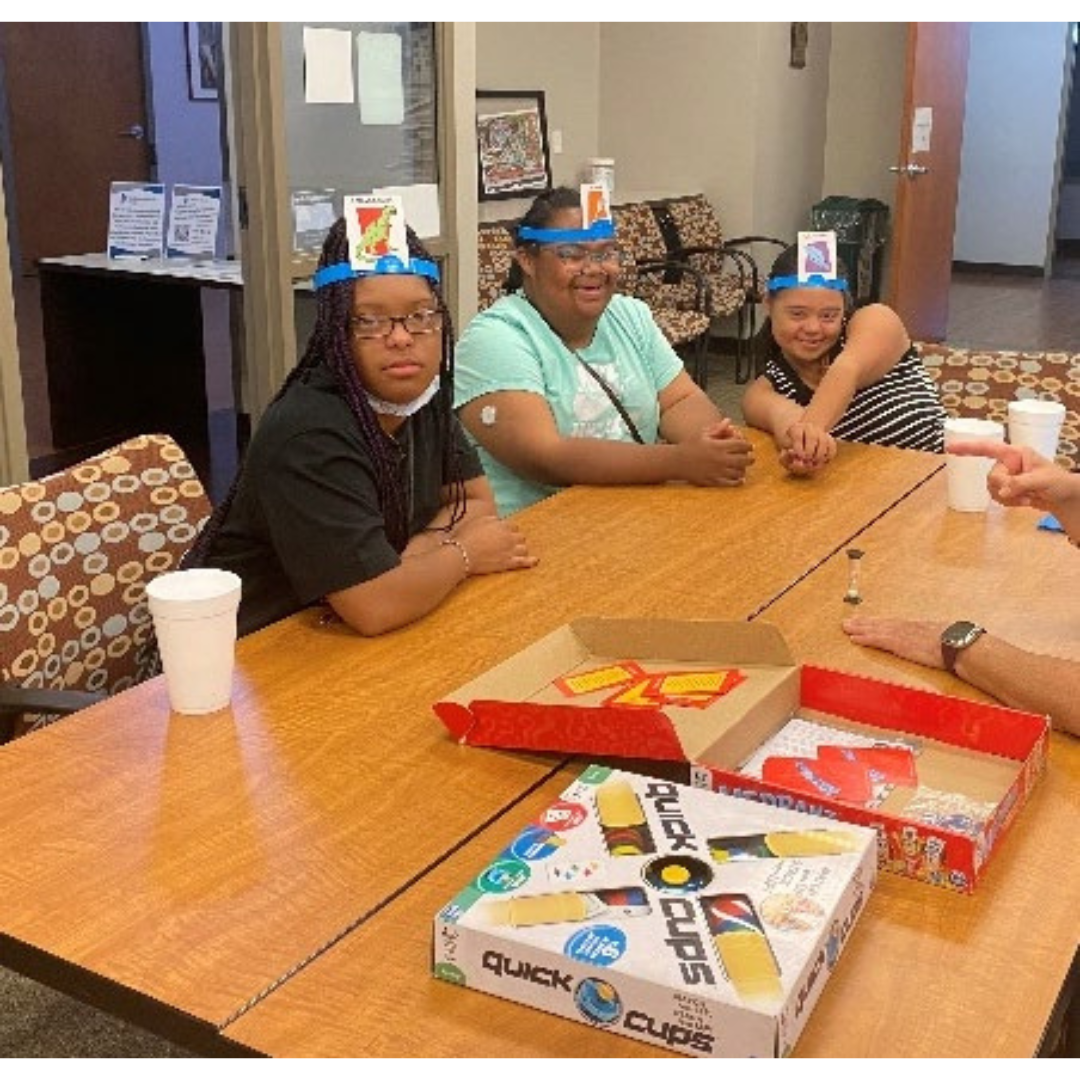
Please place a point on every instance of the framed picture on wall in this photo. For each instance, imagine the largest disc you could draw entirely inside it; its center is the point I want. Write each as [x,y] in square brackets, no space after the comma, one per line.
[203,59]
[512,143]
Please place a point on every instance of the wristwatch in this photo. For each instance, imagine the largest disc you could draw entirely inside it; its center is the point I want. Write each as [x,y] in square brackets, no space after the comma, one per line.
[954,639]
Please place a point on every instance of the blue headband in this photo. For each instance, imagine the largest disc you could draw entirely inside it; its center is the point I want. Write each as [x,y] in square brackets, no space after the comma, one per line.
[386,264]
[601,229]
[814,281]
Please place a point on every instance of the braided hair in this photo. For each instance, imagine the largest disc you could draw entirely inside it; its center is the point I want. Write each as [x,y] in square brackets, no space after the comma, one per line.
[539,216]
[764,347]
[329,344]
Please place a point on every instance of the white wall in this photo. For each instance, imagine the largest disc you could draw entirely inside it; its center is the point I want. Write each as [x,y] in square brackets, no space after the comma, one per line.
[1011,143]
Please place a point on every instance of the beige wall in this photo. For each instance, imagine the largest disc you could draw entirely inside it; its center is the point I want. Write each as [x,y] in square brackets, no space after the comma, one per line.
[712,107]
[866,88]
[563,60]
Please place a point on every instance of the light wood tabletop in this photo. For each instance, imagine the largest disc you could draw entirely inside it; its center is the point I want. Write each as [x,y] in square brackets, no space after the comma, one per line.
[192,862]
[928,973]
[948,974]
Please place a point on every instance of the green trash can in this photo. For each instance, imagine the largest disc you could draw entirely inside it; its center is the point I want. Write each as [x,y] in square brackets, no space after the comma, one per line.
[862,228]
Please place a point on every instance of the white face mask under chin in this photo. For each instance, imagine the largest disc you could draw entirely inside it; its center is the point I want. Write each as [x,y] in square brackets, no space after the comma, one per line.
[390,408]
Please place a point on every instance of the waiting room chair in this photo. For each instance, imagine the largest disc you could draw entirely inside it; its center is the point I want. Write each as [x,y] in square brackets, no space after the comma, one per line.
[678,294]
[76,551]
[693,233]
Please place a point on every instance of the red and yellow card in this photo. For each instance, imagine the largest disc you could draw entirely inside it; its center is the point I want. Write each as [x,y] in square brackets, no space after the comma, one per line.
[634,687]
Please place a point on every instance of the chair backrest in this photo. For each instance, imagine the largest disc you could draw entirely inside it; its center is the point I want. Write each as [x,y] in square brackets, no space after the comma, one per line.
[76,551]
[495,248]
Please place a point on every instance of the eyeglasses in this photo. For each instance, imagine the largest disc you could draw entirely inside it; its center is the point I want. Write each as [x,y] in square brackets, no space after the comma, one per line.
[574,255]
[366,327]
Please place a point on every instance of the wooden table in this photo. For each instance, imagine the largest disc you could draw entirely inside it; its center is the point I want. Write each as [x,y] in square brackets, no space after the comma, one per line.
[196,874]
[951,975]
[928,972]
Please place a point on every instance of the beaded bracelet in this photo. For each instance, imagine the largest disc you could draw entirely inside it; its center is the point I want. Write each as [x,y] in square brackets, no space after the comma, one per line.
[454,542]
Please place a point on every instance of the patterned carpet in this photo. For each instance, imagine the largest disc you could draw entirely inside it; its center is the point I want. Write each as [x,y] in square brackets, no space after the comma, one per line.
[979,383]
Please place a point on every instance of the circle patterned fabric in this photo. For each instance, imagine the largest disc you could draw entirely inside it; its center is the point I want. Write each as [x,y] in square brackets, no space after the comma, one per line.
[76,551]
[981,384]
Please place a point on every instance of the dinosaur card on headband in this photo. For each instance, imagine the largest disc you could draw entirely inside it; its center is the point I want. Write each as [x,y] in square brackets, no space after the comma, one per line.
[817,255]
[375,225]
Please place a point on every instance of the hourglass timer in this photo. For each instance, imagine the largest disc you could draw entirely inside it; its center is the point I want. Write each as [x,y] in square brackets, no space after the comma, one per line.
[852,595]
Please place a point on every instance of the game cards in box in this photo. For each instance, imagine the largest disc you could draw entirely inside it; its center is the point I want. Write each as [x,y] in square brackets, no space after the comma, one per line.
[694,921]
[941,779]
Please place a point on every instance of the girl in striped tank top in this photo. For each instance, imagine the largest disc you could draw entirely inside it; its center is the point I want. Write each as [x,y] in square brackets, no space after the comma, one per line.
[829,372]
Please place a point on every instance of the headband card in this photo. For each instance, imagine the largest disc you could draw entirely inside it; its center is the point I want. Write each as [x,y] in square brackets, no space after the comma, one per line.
[594,204]
[817,255]
[375,225]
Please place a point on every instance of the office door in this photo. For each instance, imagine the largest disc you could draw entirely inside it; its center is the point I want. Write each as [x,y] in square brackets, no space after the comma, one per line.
[77,111]
[928,174]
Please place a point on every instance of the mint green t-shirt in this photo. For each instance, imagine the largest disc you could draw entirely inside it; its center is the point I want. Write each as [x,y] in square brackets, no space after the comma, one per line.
[510,347]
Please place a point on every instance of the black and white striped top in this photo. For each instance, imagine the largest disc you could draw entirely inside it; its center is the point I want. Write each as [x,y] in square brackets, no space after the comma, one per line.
[902,409]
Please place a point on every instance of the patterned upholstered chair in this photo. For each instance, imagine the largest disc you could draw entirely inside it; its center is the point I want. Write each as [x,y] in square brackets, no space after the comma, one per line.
[975,382]
[693,233]
[76,551]
[677,293]
[495,249]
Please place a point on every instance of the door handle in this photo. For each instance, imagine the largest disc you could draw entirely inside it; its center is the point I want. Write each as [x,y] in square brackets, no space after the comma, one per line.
[909,169]
[136,131]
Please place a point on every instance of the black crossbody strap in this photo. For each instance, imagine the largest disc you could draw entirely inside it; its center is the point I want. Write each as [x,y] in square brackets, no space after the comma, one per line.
[630,425]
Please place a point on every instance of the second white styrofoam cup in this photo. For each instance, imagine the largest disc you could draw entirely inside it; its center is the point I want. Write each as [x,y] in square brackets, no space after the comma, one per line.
[967,475]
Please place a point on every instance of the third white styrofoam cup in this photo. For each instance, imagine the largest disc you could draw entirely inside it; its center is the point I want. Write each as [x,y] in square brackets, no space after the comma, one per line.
[1036,423]
[194,614]
[967,475]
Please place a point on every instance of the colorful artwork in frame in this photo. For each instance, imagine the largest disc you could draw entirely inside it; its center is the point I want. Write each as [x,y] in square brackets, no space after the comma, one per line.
[512,143]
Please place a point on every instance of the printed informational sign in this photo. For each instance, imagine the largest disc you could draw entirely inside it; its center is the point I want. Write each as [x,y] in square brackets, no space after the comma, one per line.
[193,222]
[136,220]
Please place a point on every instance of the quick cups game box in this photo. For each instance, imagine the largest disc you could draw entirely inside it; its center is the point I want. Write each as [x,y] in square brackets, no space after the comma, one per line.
[694,921]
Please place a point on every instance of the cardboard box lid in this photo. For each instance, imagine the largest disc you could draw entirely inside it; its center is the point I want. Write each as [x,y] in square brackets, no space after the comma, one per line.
[499,708]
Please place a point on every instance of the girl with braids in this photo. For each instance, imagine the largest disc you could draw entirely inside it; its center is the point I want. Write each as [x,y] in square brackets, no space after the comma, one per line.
[832,374]
[359,487]
[563,381]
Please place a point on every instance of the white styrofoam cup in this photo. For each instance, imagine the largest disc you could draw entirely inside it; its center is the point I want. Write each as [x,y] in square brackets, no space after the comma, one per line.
[194,614]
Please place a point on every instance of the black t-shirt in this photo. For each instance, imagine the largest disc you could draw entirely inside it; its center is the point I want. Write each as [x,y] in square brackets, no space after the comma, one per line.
[305,520]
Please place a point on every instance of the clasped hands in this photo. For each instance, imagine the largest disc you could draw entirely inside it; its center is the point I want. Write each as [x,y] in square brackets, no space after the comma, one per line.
[719,457]
[805,448]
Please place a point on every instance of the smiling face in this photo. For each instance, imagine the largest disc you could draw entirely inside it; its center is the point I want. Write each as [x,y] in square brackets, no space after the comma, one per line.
[399,365]
[565,284]
[806,323]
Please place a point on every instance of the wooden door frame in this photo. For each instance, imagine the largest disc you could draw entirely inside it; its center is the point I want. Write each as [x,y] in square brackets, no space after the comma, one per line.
[14,463]
[258,150]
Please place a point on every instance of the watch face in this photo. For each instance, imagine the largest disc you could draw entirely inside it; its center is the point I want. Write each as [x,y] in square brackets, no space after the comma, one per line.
[961,634]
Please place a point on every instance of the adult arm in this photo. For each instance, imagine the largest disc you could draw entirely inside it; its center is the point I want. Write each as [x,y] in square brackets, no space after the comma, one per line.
[1019,678]
[1021,477]
[525,438]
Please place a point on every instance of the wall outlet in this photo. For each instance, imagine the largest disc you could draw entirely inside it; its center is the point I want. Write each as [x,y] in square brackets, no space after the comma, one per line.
[555,139]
